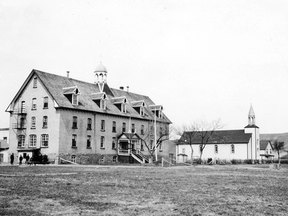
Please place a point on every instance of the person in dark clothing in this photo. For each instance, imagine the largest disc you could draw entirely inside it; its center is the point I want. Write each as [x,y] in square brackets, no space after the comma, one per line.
[27,159]
[20,160]
[12,158]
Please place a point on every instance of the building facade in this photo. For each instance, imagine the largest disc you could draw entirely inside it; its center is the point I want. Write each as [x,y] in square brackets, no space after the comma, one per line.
[82,122]
[222,144]
[4,145]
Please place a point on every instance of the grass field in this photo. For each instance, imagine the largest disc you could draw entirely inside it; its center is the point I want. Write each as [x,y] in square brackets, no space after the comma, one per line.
[136,190]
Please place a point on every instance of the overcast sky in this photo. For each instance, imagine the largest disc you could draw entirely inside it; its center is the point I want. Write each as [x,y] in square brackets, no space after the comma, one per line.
[199,59]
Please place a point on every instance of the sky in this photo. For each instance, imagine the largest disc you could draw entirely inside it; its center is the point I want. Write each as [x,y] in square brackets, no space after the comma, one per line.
[201,60]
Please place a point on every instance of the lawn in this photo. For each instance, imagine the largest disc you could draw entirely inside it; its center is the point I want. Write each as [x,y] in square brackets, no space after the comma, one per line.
[138,190]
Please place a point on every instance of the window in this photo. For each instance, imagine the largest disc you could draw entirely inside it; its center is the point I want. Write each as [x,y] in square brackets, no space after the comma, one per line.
[33,140]
[270,151]
[35,82]
[232,149]
[21,141]
[151,144]
[74,99]
[44,140]
[89,124]
[160,131]
[5,138]
[45,103]
[142,146]
[88,142]
[74,141]
[102,142]
[124,127]
[22,123]
[73,158]
[34,104]
[183,150]
[74,123]
[102,158]
[103,104]
[267,151]
[23,107]
[114,159]
[102,125]
[133,128]
[33,122]
[45,122]
[216,149]
[114,143]
[142,130]
[114,127]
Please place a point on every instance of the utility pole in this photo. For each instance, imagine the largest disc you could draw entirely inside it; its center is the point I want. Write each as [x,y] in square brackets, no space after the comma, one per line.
[155,138]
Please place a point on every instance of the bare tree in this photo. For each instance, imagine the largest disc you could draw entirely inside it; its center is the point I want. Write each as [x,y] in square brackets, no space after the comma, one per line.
[205,132]
[187,134]
[278,147]
[162,135]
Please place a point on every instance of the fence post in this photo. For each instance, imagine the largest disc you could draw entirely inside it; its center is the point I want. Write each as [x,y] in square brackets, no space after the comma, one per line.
[162,162]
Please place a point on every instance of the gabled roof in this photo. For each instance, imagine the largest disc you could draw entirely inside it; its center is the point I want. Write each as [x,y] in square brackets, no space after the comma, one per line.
[140,103]
[54,85]
[218,137]
[98,96]
[264,144]
[128,136]
[118,100]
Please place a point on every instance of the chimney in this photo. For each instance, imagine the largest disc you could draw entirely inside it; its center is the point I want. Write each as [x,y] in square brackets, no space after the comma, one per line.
[68,74]
[127,88]
[121,88]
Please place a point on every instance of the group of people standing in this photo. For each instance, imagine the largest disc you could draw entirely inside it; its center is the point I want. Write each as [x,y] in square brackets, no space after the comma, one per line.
[27,158]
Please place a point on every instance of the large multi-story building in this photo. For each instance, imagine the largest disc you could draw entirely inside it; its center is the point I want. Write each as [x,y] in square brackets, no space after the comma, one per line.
[84,122]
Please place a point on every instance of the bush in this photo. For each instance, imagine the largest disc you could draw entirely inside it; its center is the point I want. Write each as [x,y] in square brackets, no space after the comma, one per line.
[248,161]
[233,161]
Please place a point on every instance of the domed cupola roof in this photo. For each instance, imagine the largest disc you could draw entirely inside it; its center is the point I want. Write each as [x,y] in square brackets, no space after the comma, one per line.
[101,68]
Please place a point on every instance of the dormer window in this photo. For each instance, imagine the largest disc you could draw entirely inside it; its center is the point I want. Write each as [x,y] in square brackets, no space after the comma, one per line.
[157,110]
[100,99]
[72,93]
[120,103]
[139,106]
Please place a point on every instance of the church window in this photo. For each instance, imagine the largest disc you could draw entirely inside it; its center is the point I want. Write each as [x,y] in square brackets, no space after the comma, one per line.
[232,149]
[216,149]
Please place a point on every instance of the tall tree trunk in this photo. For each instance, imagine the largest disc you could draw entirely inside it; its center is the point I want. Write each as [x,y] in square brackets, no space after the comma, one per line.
[192,151]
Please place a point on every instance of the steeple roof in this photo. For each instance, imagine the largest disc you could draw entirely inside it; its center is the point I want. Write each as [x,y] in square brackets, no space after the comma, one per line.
[101,68]
[251,112]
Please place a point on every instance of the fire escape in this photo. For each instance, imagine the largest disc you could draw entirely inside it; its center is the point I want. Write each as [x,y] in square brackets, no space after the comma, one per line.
[20,126]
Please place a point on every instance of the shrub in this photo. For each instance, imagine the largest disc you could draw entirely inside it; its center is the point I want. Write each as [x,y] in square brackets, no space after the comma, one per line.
[248,161]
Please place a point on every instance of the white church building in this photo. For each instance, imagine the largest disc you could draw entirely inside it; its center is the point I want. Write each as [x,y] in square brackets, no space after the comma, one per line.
[226,145]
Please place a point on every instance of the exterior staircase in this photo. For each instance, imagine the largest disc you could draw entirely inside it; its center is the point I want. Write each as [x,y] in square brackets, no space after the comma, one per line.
[139,156]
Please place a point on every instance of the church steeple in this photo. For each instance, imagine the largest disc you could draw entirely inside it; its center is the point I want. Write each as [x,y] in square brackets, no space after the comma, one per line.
[251,117]
[100,76]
